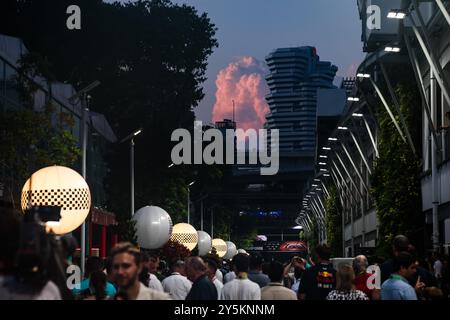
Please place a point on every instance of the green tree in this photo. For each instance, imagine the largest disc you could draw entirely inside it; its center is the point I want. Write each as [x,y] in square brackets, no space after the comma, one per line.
[244,232]
[312,237]
[395,179]
[222,219]
[29,139]
[151,58]
[333,220]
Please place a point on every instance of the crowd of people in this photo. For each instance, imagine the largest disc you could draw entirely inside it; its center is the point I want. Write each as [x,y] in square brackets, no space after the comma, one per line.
[133,274]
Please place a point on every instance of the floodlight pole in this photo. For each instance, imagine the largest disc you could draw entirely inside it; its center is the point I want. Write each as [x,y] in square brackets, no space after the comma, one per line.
[188,205]
[131,138]
[85,110]
[201,215]
[212,222]
[83,135]
[132,174]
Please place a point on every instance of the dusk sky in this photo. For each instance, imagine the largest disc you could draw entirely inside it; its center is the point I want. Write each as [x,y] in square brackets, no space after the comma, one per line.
[252,29]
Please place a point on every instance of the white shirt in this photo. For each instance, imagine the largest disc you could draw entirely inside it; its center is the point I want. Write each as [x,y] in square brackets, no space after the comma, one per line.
[219,287]
[241,289]
[177,286]
[49,292]
[229,276]
[219,275]
[437,269]
[155,284]
[295,285]
[150,294]
[276,291]
[7,291]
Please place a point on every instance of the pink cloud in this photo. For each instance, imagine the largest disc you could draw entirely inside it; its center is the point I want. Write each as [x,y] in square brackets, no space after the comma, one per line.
[351,70]
[242,81]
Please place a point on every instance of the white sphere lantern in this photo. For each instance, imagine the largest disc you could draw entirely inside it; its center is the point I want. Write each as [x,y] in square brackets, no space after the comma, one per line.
[153,227]
[220,246]
[231,250]
[60,187]
[242,251]
[185,234]
[204,243]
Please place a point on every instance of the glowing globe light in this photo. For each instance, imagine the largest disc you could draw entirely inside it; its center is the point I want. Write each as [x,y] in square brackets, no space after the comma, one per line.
[62,187]
[220,246]
[204,243]
[185,234]
[153,227]
[231,250]
[242,251]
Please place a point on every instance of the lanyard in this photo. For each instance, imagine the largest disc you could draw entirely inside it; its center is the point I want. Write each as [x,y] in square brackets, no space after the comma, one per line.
[398,277]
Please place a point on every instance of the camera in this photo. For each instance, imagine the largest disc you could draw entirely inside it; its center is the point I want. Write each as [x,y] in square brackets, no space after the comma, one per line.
[41,255]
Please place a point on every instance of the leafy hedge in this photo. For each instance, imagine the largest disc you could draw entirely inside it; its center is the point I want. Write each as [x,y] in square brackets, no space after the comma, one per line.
[333,221]
[395,178]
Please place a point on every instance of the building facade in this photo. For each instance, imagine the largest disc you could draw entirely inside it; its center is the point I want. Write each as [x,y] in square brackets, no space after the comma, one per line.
[419,41]
[295,75]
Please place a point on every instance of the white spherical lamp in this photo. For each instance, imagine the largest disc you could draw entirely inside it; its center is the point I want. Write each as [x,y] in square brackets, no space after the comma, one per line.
[242,251]
[185,234]
[153,227]
[231,250]
[60,187]
[204,243]
[220,246]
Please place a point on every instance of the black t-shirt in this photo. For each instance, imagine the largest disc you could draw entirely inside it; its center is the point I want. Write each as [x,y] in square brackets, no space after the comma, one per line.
[202,289]
[386,268]
[318,281]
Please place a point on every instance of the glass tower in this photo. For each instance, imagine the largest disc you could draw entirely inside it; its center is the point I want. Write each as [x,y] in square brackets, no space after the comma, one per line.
[295,75]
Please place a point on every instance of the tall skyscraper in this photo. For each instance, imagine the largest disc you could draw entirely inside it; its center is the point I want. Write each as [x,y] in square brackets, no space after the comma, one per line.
[295,75]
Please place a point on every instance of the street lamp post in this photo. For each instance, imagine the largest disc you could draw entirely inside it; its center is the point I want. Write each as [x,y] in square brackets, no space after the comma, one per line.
[201,215]
[189,202]
[212,222]
[84,129]
[132,175]
[130,138]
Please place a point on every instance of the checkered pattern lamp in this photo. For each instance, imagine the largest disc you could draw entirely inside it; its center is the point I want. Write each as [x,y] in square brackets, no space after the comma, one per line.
[61,187]
[185,234]
[220,246]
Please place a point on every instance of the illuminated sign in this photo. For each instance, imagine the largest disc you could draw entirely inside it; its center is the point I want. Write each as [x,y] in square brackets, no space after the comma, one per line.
[293,246]
[269,213]
[286,246]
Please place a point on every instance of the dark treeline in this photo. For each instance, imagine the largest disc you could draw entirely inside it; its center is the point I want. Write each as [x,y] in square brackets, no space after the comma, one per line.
[150,57]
